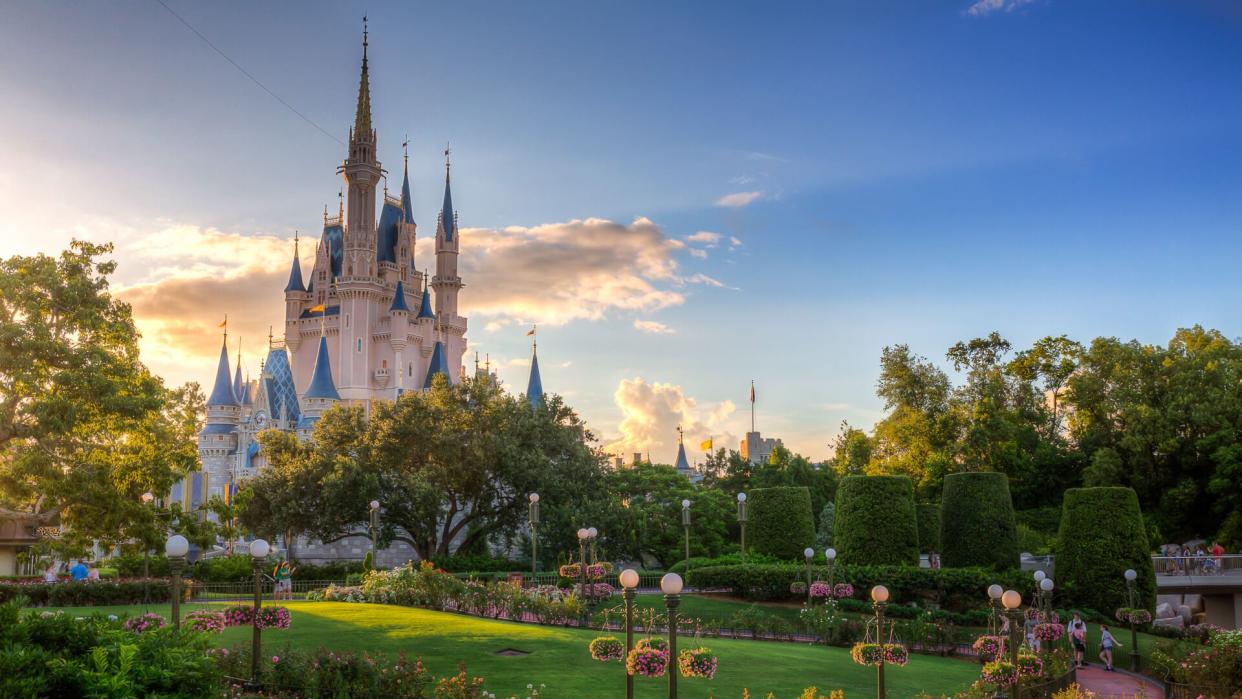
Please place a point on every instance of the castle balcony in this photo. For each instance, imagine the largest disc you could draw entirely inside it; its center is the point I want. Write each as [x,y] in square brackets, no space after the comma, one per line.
[381,377]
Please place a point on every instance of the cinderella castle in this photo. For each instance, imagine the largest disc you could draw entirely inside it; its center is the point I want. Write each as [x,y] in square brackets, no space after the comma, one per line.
[364,325]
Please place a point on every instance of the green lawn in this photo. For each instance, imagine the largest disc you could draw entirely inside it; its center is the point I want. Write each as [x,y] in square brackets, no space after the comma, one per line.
[559,659]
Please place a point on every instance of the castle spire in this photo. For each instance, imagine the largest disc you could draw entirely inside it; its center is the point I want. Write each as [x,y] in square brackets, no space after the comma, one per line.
[407,207]
[321,385]
[222,391]
[447,222]
[424,310]
[534,386]
[362,119]
[683,464]
[237,378]
[295,272]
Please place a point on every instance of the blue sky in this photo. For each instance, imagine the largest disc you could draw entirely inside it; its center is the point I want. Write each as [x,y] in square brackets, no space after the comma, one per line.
[924,173]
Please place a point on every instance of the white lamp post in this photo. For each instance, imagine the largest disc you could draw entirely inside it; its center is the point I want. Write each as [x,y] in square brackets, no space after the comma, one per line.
[533,518]
[685,524]
[671,585]
[259,549]
[176,548]
[879,599]
[629,585]
[741,520]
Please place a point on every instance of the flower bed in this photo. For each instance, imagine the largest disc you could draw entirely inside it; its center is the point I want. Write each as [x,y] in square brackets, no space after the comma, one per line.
[1129,615]
[87,593]
[146,622]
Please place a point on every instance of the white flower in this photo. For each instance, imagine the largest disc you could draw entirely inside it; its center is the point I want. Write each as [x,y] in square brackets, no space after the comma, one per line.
[529,685]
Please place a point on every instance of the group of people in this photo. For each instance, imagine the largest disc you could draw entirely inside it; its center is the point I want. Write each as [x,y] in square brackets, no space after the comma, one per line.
[78,572]
[1201,560]
[1077,631]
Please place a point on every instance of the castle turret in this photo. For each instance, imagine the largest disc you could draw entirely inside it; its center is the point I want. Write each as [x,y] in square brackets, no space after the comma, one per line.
[438,365]
[218,439]
[534,386]
[399,329]
[682,465]
[446,282]
[321,394]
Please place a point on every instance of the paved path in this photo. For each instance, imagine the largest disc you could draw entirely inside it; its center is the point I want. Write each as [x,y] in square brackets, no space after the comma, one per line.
[1118,684]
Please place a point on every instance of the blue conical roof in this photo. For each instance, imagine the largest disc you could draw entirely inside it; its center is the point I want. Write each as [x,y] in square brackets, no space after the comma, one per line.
[682,463]
[398,299]
[321,385]
[424,310]
[295,275]
[534,387]
[439,365]
[222,391]
[446,211]
[407,207]
[237,382]
[386,237]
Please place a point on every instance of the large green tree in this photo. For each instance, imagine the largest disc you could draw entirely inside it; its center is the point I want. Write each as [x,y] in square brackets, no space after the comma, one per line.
[85,428]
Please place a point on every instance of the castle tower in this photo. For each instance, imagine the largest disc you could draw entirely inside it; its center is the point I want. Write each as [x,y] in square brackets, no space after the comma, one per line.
[446,282]
[683,464]
[296,297]
[217,442]
[321,394]
[534,386]
[399,325]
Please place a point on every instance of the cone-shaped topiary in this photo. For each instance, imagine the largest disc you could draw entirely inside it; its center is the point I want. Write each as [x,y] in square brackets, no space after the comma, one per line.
[1102,534]
[977,525]
[875,522]
[928,515]
[781,523]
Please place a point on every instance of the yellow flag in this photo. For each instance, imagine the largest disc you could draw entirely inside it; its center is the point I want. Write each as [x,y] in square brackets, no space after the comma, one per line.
[225,324]
[772,458]
[317,309]
[706,445]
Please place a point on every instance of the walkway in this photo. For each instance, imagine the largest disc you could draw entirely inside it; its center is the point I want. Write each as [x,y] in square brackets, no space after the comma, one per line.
[1118,684]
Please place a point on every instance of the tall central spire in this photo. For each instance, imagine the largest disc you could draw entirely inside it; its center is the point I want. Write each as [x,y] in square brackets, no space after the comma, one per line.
[362,120]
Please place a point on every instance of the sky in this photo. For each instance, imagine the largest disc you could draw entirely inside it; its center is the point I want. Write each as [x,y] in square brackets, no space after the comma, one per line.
[684,197]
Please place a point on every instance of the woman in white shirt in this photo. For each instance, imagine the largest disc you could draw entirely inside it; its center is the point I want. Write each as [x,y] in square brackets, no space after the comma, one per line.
[1107,642]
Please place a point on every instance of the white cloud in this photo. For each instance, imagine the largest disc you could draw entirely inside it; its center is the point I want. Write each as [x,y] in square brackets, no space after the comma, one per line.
[701,254]
[734,242]
[986,7]
[738,199]
[653,327]
[651,413]
[707,238]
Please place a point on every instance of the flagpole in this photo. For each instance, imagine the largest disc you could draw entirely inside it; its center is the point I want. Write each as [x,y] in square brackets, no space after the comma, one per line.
[752,405]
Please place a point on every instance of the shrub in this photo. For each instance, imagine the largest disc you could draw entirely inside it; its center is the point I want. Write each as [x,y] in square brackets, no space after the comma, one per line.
[291,673]
[781,523]
[235,568]
[977,521]
[687,564]
[875,522]
[130,565]
[88,593]
[823,534]
[928,517]
[1102,534]
[368,562]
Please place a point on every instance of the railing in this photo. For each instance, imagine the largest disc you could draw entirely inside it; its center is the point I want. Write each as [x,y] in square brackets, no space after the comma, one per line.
[199,592]
[647,582]
[1047,689]
[1186,691]
[1194,565]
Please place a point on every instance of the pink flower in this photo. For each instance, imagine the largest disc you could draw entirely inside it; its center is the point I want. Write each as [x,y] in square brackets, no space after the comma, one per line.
[275,659]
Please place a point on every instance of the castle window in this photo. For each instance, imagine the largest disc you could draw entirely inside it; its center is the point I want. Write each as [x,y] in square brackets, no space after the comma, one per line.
[360,344]
[411,369]
[384,364]
[347,320]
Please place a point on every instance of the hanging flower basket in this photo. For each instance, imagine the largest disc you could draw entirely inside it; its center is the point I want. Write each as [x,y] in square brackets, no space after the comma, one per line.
[1049,632]
[896,654]
[654,642]
[606,649]
[797,588]
[570,570]
[205,620]
[647,661]
[1138,617]
[988,648]
[821,590]
[843,591]
[999,672]
[867,653]
[274,618]
[596,571]
[1030,665]
[699,662]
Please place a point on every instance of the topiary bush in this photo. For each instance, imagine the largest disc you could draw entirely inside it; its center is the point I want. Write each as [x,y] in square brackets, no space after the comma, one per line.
[1102,534]
[875,523]
[780,522]
[977,525]
[928,517]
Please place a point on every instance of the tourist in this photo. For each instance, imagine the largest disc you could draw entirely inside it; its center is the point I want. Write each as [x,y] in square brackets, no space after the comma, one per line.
[283,574]
[50,574]
[92,571]
[1186,559]
[78,571]
[1032,620]
[1078,637]
[1217,552]
[1106,647]
[1200,557]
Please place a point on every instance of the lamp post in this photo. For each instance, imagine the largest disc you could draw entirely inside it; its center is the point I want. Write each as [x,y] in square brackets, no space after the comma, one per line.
[685,524]
[741,520]
[1132,594]
[1012,601]
[592,535]
[176,548]
[582,566]
[830,554]
[147,499]
[258,554]
[1039,577]
[374,532]
[808,553]
[1045,587]
[533,519]
[671,585]
[629,581]
[879,598]
[994,596]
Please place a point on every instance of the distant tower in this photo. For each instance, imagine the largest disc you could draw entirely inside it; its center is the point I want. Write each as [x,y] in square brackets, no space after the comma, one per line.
[682,464]
[321,394]
[446,282]
[217,442]
[534,387]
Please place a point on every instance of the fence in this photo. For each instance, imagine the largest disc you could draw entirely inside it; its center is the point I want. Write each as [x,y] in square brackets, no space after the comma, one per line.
[193,591]
[1047,689]
[1194,565]
[1186,691]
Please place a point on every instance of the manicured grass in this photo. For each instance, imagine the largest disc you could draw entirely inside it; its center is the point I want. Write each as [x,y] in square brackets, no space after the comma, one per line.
[558,656]
[707,609]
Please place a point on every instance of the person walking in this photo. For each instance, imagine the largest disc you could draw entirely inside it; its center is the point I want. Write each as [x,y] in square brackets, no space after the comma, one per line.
[283,574]
[78,571]
[1078,638]
[92,571]
[50,573]
[1107,643]
[1032,621]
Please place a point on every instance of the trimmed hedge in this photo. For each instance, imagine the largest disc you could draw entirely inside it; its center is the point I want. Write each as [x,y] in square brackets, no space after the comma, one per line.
[957,590]
[1102,534]
[781,523]
[95,593]
[875,521]
[977,521]
[928,517]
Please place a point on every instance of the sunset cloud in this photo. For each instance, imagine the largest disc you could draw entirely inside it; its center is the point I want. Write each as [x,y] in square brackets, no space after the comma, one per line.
[651,413]
[653,327]
[707,238]
[738,199]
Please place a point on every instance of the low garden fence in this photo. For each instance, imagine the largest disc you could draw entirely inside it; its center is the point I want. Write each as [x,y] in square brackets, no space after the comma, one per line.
[1049,688]
[1173,690]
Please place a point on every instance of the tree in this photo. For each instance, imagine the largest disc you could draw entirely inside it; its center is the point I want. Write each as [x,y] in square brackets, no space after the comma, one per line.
[651,496]
[977,526]
[85,428]
[851,450]
[918,438]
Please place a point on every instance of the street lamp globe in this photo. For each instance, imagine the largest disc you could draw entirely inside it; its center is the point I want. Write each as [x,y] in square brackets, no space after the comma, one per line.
[629,578]
[1046,584]
[1011,599]
[830,554]
[741,497]
[375,504]
[592,532]
[685,504]
[671,584]
[1131,574]
[533,497]
[259,548]
[879,594]
[1040,575]
[583,534]
[148,497]
[809,553]
[177,546]
[995,591]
